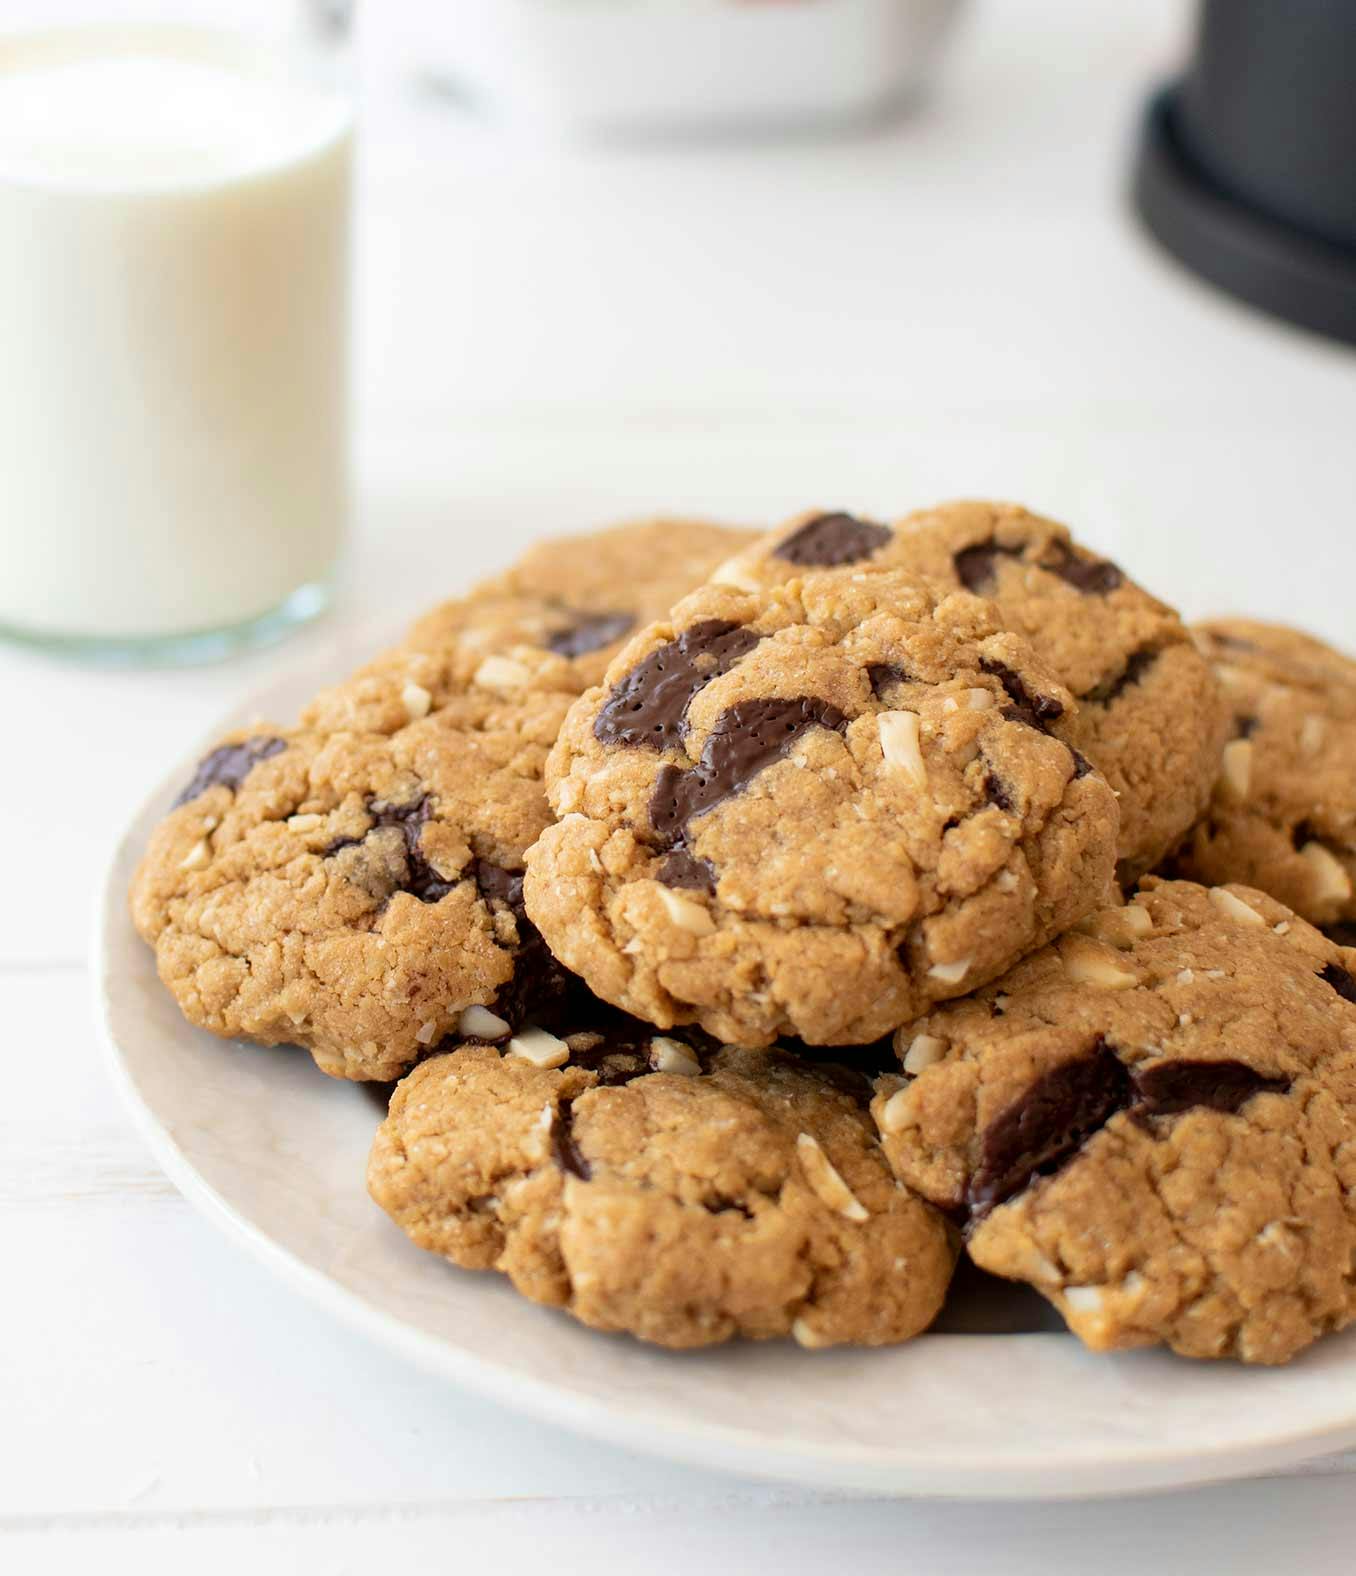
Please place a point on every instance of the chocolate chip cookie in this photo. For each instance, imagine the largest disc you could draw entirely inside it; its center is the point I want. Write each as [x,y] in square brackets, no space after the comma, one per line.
[1148,716]
[814,809]
[661,1186]
[1283,813]
[1153,1122]
[356,894]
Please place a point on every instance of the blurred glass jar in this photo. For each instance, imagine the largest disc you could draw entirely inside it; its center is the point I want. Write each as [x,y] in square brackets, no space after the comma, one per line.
[174,260]
[645,66]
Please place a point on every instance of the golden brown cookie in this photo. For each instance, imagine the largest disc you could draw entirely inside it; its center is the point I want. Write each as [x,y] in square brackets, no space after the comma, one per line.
[1283,813]
[1153,1122]
[815,809]
[351,893]
[1149,717]
[657,1186]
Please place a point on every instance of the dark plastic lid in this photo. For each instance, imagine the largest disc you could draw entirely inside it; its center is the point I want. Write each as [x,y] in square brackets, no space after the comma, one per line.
[1284,269]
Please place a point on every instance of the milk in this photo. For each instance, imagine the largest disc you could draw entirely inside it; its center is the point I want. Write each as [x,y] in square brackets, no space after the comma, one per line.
[173,329]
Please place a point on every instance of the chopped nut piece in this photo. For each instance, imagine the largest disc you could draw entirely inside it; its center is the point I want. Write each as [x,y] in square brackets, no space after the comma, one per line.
[923,1051]
[1236,767]
[502,673]
[1312,730]
[824,1178]
[733,572]
[672,1056]
[539,1048]
[479,1023]
[304,823]
[1331,881]
[1234,907]
[685,913]
[806,1337]
[197,856]
[893,1118]
[416,701]
[425,1032]
[1089,962]
[899,743]
[950,973]
[1083,1299]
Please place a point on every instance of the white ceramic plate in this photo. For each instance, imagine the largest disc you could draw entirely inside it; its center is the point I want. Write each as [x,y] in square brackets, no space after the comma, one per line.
[274,1153]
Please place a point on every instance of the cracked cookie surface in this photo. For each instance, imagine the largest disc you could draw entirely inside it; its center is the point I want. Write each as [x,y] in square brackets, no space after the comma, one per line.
[1283,813]
[1149,717]
[815,809]
[1153,1122]
[681,1192]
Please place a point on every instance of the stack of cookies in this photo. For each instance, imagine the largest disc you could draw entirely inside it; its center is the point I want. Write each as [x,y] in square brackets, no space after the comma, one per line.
[755,924]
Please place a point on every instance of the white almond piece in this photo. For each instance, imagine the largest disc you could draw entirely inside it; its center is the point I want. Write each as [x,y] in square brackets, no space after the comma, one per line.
[1232,678]
[893,1114]
[1236,767]
[416,700]
[539,1048]
[1186,977]
[924,1050]
[502,673]
[479,1023]
[1283,928]
[1312,730]
[950,973]
[685,913]
[824,1178]
[806,1337]
[899,743]
[304,823]
[197,856]
[1090,963]
[1234,907]
[1006,881]
[672,1056]
[1138,921]
[1331,881]
[425,1032]
[734,572]
[1083,1299]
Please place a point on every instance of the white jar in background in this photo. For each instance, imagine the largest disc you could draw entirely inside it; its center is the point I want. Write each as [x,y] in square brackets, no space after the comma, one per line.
[174,216]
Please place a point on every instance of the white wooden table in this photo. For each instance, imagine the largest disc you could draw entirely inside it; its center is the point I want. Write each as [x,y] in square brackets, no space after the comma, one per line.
[958,304]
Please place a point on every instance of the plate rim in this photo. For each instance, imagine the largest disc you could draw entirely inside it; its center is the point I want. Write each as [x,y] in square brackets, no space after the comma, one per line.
[1118,1471]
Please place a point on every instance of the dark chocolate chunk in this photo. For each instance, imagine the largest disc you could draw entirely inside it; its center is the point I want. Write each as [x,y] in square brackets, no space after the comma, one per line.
[1335,975]
[1081,764]
[1245,727]
[541,991]
[976,567]
[1137,665]
[228,766]
[649,706]
[564,1150]
[1048,1125]
[832,539]
[682,869]
[1036,711]
[1168,1088]
[589,632]
[1091,576]
[746,739]
[996,793]
[882,675]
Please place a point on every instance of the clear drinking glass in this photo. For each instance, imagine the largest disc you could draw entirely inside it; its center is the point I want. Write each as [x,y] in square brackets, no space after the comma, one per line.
[174,305]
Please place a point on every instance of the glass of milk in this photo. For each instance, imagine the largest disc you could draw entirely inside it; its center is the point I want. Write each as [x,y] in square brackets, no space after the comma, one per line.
[174,220]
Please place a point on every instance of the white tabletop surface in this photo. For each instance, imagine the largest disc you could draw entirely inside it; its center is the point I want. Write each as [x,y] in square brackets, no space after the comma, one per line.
[956,304]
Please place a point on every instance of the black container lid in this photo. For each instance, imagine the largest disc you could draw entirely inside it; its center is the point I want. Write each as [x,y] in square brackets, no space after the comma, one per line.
[1281,267]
